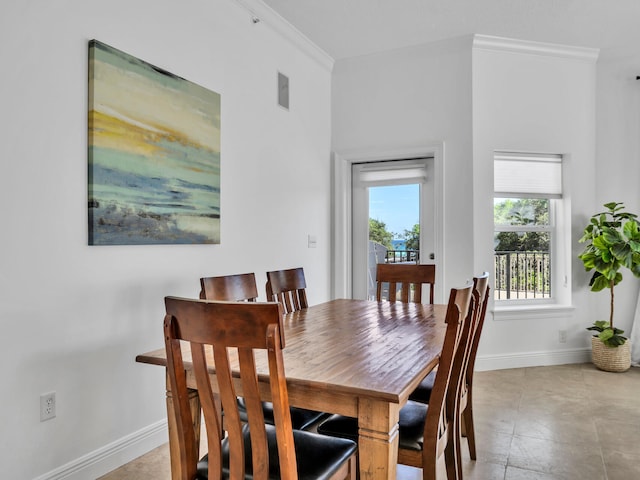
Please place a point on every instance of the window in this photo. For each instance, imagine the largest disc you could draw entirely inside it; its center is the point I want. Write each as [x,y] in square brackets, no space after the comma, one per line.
[529,235]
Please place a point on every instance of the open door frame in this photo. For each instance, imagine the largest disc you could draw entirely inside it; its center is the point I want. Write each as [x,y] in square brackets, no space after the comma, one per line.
[342,211]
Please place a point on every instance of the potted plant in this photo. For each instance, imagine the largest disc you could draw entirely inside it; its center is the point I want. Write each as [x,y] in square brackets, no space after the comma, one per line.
[612,242]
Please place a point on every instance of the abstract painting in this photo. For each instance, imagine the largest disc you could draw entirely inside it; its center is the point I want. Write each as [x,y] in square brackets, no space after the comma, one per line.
[154,154]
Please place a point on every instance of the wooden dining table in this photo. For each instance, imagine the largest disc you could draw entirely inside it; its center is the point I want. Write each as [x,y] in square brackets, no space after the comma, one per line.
[357,358]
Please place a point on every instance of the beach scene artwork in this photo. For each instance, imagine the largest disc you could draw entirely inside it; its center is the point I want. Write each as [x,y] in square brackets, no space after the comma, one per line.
[154,154]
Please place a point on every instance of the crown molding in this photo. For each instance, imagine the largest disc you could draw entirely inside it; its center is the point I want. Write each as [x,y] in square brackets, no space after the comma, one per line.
[488,42]
[263,13]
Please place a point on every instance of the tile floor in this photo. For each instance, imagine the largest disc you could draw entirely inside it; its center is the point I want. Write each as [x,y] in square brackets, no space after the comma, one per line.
[566,422]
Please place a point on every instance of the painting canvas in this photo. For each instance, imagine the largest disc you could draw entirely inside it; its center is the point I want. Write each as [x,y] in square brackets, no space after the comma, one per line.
[154,154]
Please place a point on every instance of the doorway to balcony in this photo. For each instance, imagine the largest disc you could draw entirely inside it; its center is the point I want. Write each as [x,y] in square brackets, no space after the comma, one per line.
[392,217]
[344,248]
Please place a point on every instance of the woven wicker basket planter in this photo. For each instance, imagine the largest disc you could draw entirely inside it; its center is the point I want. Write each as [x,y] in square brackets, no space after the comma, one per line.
[611,359]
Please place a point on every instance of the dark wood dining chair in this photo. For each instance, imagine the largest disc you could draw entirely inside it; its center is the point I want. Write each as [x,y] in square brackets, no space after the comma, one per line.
[288,288]
[426,433]
[407,278]
[231,288]
[220,333]
[423,392]
[242,287]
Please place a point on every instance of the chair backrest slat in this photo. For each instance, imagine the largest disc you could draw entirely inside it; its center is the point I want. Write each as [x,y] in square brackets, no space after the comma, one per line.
[408,278]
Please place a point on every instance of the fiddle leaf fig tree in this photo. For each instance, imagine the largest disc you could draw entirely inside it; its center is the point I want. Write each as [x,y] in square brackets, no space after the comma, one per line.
[612,242]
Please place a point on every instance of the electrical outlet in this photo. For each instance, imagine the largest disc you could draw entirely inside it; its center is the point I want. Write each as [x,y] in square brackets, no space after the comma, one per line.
[562,336]
[47,406]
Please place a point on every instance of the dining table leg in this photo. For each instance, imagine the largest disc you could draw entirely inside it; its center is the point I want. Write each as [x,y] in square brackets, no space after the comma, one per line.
[174,441]
[377,439]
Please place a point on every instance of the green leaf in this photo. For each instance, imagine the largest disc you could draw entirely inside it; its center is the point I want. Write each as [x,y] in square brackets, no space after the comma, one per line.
[611,235]
[599,283]
[600,243]
[588,259]
[623,253]
[635,245]
[626,215]
[606,334]
[630,229]
[617,279]
[615,341]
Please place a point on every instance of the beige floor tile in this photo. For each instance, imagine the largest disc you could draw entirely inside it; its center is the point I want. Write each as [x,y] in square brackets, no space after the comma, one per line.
[497,395]
[409,473]
[494,419]
[155,465]
[510,375]
[555,402]
[608,383]
[616,412]
[553,375]
[619,436]
[521,474]
[567,428]
[480,470]
[491,447]
[622,466]
[564,460]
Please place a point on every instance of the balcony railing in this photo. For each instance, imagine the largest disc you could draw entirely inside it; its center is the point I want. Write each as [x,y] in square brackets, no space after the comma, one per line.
[518,275]
[402,256]
[522,275]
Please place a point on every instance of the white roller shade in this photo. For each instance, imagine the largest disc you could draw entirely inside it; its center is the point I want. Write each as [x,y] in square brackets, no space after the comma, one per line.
[390,173]
[527,175]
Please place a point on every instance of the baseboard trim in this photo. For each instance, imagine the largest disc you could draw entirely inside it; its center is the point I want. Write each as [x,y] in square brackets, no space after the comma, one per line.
[111,456]
[532,359]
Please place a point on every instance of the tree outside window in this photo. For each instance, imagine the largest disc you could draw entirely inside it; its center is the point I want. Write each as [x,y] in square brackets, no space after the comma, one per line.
[522,239]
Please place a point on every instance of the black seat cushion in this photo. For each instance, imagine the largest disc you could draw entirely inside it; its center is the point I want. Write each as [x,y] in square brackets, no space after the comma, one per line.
[301,418]
[411,422]
[318,457]
[340,426]
[411,426]
[422,393]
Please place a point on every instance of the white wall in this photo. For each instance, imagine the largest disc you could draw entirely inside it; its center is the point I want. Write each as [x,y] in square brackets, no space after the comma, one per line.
[618,160]
[535,98]
[406,99]
[73,316]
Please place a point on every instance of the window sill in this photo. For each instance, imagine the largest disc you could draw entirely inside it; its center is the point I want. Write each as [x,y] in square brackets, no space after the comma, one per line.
[531,312]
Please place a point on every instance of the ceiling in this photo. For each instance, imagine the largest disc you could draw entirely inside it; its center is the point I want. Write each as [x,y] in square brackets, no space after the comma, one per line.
[347,28]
